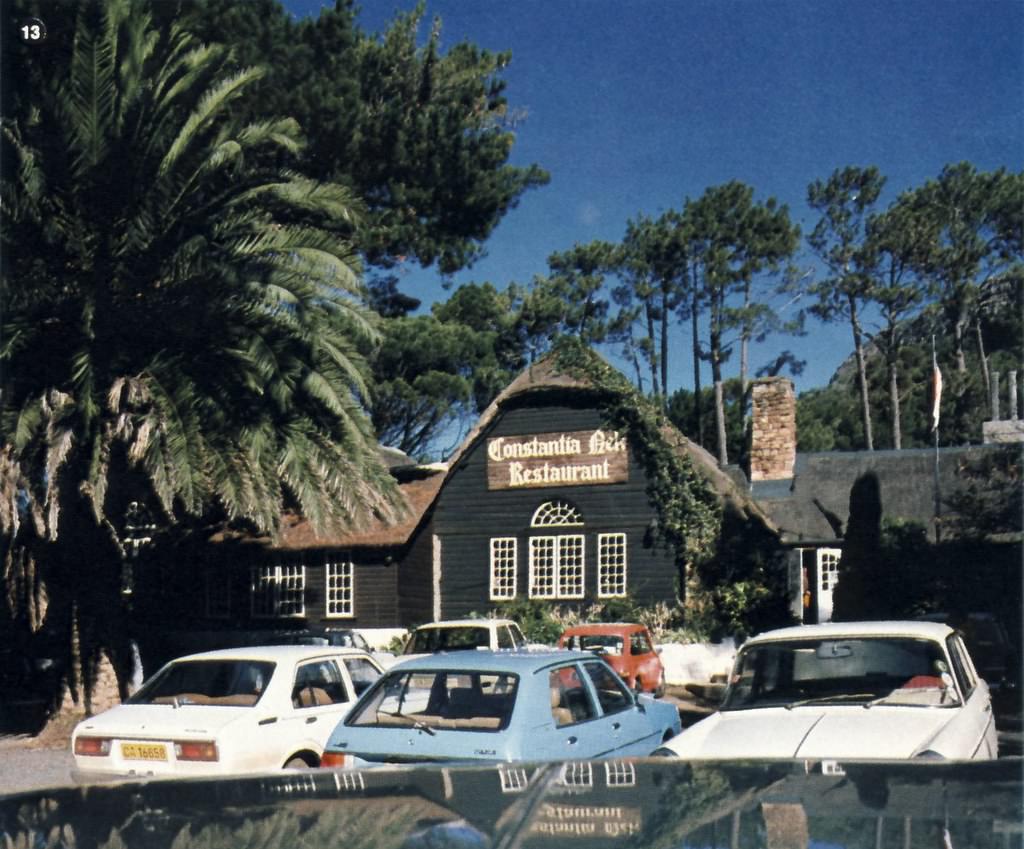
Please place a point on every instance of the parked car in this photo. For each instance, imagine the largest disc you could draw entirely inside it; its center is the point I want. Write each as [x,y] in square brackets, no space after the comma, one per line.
[627,647]
[500,706]
[345,637]
[230,711]
[459,634]
[856,690]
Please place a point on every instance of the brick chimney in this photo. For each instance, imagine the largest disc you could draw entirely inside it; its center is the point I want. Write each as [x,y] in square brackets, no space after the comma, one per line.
[773,435]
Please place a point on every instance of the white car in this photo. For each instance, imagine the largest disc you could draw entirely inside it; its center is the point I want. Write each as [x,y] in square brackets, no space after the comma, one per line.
[230,711]
[848,691]
[462,634]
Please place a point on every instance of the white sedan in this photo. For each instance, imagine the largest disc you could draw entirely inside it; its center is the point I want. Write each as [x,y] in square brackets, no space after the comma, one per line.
[230,711]
[856,690]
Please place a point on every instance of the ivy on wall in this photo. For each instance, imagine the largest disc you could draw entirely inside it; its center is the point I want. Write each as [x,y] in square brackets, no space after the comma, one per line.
[689,513]
[731,561]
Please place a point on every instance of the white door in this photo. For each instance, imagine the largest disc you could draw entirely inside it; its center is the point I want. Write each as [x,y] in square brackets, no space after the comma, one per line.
[828,575]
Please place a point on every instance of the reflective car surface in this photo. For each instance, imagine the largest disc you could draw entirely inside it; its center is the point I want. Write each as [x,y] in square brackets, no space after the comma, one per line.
[884,690]
[646,804]
[627,647]
[500,706]
[237,710]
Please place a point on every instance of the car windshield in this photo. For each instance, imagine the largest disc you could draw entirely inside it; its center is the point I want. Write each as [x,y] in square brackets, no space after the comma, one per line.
[469,701]
[429,640]
[606,643]
[889,670]
[232,683]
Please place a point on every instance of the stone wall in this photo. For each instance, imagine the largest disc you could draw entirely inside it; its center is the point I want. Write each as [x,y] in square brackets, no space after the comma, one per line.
[773,436]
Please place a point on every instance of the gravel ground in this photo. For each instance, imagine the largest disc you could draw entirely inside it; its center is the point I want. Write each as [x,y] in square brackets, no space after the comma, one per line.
[25,764]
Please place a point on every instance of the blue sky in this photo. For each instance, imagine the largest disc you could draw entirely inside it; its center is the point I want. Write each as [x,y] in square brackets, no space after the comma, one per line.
[634,106]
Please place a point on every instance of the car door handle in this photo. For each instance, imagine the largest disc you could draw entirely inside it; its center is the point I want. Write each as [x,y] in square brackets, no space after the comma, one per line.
[988,708]
[270,720]
[572,741]
[616,725]
[310,719]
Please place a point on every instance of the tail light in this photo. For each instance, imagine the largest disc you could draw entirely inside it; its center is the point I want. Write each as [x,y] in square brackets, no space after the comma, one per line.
[336,760]
[195,750]
[96,746]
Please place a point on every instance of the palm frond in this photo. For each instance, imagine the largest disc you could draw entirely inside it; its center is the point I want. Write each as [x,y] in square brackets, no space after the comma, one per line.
[89,99]
[209,105]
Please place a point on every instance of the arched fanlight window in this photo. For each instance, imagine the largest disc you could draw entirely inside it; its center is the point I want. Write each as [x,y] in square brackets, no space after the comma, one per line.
[552,514]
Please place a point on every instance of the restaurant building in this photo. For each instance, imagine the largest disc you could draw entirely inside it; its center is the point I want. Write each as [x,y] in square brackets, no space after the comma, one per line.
[540,501]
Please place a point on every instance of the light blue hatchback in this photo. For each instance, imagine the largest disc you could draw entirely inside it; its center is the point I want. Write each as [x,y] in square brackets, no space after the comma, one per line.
[500,706]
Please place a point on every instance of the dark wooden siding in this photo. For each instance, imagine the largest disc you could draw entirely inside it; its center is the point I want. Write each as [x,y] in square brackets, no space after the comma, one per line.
[467,515]
[178,597]
[416,580]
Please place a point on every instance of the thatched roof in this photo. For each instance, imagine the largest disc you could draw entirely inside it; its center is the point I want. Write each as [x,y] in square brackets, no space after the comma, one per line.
[814,505]
[422,489]
[544,377]
[417,495]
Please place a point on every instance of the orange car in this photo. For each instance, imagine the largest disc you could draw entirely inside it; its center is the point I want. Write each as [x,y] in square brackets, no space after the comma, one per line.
[628,649]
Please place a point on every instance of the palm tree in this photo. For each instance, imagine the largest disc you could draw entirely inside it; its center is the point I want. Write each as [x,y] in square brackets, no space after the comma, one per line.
[182,316]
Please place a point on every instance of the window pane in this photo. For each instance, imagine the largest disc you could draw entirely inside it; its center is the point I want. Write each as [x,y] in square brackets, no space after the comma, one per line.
[237,683]
[340,588]
[611,565]
[570,702]
[362,672]
[556,513]
[611,692]
[278,590]
[503,568]
[542,567]
[570,566]
[468,701]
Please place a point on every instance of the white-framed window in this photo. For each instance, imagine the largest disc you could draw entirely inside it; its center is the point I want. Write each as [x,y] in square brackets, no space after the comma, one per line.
[552,514]
[619,774]
[503,568]
[278,590]
[339,590]
[828,567]
[611,565]
[557,566]
[218,594]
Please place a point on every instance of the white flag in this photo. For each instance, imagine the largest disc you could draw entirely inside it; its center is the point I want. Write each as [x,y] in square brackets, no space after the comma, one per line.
[936,393]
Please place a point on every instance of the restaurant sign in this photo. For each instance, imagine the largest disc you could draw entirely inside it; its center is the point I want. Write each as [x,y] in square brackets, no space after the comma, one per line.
[577,458]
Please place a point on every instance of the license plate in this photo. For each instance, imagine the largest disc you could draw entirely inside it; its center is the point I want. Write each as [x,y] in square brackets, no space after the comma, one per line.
[144,751]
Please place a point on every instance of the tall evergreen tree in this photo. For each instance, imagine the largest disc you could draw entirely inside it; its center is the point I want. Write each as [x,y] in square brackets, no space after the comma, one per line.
[973,228]
[844,201]
[422,135]
[738,240]
[652,265]
[892,247]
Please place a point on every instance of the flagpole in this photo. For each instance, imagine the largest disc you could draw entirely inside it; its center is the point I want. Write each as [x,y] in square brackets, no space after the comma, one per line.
[936,396]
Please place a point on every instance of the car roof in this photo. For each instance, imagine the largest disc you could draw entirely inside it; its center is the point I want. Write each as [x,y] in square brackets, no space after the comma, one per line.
[605,628]
[884,628]
[502,660]
[276,653]
[461,623]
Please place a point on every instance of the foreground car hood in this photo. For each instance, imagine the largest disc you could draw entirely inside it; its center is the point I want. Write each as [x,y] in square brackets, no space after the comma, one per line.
[156,721]
[812,732]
